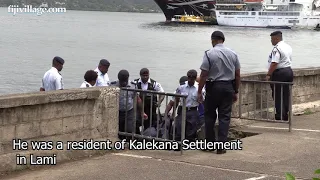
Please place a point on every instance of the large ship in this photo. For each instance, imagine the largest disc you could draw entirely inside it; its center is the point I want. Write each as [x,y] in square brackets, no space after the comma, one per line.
[269,13]
[188,9]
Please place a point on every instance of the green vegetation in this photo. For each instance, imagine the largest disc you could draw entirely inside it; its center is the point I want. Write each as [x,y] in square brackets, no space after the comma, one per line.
[92,5]
[307,111]
[291,177]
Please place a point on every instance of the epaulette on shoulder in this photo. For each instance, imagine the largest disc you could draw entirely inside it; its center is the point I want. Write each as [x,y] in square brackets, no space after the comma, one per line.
[113,82]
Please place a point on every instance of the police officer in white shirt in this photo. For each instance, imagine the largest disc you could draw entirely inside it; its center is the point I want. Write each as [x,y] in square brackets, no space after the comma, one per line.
[90,79]
[52,79]
[190,88]
[280,70]
[102,70]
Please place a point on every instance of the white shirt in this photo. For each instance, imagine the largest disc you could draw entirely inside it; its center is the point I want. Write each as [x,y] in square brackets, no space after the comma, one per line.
[52,80]
[102,80]
[281,54]
[192,94]
[85,84]
[144,86]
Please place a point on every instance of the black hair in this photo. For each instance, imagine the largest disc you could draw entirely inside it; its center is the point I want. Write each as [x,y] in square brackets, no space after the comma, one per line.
[90,75]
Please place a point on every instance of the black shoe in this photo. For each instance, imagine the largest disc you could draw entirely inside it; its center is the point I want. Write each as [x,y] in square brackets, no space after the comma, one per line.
[221,151]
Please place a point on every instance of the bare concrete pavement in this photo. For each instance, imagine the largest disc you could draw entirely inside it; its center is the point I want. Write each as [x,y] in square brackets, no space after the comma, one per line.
[265,156]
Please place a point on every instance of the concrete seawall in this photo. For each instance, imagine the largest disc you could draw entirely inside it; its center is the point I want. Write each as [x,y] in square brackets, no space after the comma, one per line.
[92,113]
[67,115]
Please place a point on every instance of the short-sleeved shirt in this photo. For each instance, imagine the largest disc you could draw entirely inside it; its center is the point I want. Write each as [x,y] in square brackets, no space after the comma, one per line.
[221,63]
[123,95]
[85,84]
[192,94]
[52,80]
[103,79]
[281,54]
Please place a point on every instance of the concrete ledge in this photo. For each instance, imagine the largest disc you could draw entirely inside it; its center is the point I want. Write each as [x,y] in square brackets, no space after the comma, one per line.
[66,115]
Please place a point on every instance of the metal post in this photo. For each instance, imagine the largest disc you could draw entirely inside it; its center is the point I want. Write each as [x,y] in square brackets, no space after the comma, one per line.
[134,115]
[290,108]
[255,100]
[165,119]
[142,119]
[151,111]
[267,99]
[126,116]
[274,101]
[261,102]
[174,119]
[183,123]
[240,101]
[281,108]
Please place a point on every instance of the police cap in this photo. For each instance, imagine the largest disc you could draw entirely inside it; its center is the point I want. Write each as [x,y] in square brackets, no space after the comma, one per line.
[183,79]
[275,33]
[144,71]
[58,59]
[104,62]
[217,35]
[123,75]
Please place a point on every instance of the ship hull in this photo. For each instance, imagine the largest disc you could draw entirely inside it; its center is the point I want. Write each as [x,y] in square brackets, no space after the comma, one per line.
[171,8]
[257,19]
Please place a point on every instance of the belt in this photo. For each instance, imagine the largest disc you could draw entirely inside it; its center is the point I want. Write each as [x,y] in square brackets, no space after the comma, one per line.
[191,108]
[276,70]
[188,108]
[223,81]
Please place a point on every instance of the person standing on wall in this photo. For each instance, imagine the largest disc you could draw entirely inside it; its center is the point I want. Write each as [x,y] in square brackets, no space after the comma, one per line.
[280,70]
[220,68]
[52,79]
[102,71]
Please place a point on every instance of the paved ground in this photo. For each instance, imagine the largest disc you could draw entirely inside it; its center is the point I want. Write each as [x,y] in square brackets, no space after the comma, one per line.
[265,156]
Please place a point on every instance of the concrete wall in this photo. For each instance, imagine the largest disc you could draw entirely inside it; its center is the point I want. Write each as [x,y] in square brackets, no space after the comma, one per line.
[67,115]
[305,91]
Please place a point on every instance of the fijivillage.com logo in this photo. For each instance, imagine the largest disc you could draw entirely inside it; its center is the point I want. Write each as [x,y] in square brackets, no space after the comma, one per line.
[15,9]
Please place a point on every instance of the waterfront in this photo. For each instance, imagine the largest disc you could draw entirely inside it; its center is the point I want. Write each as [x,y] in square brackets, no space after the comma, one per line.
[130,41]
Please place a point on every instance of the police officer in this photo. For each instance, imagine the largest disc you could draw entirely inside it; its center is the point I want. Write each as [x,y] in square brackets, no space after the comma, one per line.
[102,71]
[123,81]
[52,79]
[90,79]
[192,116]
[146,83]
[220,73]
[280,70]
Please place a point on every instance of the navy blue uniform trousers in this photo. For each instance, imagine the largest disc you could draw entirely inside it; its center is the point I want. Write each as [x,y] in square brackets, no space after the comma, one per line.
[281,75]
[192,118]
[219,95]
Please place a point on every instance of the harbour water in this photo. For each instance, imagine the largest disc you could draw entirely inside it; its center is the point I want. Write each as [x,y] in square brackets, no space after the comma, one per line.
[129,41]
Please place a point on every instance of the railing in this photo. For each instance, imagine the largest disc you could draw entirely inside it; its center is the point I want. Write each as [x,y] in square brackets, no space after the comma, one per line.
[163,124]
[254,101]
